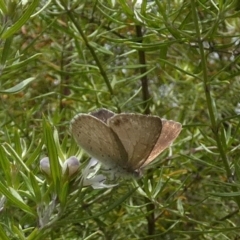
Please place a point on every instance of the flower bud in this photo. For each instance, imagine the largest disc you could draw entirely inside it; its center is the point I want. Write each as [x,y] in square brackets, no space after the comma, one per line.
[70,166]
[45,166]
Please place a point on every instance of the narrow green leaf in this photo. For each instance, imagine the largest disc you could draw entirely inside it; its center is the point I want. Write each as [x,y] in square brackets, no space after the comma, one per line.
[100,48]
[35,234]
[208,150]
[6,50]
[33,151]
[22,20]
[5,165]
[13,196]
[19,64]
[16,157]
[19,87]
[57,144]
[18,232]
[36,188]
[55,167]
[3,7]
[3,235]
[226,194]
[64,194]
[180,206]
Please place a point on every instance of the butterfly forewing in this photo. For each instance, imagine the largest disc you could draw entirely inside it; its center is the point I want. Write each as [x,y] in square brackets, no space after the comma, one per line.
[138,134]
[170,131]
[98,140]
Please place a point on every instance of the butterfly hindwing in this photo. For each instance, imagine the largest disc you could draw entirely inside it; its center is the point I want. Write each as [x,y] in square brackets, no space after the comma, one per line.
[170,131]
[138,134]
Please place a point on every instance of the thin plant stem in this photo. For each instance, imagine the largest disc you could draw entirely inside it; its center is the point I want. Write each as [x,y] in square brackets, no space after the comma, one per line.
[144,78]
[210,101]
[146,96]
[88,45]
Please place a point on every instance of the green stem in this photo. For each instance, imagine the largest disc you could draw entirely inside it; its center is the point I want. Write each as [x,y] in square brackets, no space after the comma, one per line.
[88,45]
[144,78]
[207,89]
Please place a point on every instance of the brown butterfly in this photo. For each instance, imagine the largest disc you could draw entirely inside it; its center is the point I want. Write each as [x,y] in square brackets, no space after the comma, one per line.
[124,142]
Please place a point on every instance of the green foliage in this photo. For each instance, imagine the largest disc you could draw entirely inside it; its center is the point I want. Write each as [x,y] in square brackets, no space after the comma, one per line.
[175,59]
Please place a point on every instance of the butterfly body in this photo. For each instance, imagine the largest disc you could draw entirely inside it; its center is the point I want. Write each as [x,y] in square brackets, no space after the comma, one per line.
[126,142]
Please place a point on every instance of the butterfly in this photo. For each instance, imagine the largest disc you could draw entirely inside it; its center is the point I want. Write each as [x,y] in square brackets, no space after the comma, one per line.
[125,143]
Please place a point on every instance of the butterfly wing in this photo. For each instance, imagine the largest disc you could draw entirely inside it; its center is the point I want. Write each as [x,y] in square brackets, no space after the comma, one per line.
[170,131]
[138,134]
[97,139]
